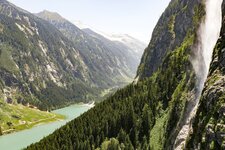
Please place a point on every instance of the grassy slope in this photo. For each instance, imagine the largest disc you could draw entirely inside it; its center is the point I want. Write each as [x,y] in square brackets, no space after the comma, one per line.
[18,117]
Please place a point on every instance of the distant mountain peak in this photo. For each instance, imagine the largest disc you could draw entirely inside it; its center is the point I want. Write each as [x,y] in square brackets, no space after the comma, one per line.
[54,16]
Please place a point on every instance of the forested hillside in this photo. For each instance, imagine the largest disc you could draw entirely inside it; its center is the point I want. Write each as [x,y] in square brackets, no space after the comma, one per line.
[148,114]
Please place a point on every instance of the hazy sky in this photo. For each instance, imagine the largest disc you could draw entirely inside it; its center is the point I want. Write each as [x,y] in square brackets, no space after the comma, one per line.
[134,17]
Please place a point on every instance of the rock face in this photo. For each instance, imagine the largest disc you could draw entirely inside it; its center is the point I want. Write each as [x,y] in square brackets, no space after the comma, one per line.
[209,124]
[48,67]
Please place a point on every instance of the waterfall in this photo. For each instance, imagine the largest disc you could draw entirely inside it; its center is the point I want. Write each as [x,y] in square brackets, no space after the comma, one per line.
[208,35]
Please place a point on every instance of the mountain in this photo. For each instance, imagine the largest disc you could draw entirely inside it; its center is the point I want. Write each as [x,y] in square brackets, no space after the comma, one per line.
[107,60]
[49,67]
[157,111]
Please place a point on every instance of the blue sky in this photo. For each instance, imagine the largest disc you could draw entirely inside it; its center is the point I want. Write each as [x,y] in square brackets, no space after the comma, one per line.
[134,17]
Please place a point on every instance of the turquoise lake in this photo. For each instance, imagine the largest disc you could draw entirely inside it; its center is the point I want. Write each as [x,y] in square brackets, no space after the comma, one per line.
[21,139]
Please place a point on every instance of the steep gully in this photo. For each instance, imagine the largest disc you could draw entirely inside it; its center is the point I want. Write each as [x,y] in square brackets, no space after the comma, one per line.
[208,35]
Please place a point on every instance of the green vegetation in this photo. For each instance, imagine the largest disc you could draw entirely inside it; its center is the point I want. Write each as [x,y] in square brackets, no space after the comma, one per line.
[210,117]
[18,117]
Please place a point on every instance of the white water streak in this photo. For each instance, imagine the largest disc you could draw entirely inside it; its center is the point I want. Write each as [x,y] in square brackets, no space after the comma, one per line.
[208,35]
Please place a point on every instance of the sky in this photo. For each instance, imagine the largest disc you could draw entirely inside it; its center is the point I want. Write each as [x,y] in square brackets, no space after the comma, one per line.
[134,17]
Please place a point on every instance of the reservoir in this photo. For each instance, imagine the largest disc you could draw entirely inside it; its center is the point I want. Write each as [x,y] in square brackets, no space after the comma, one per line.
[21,139]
